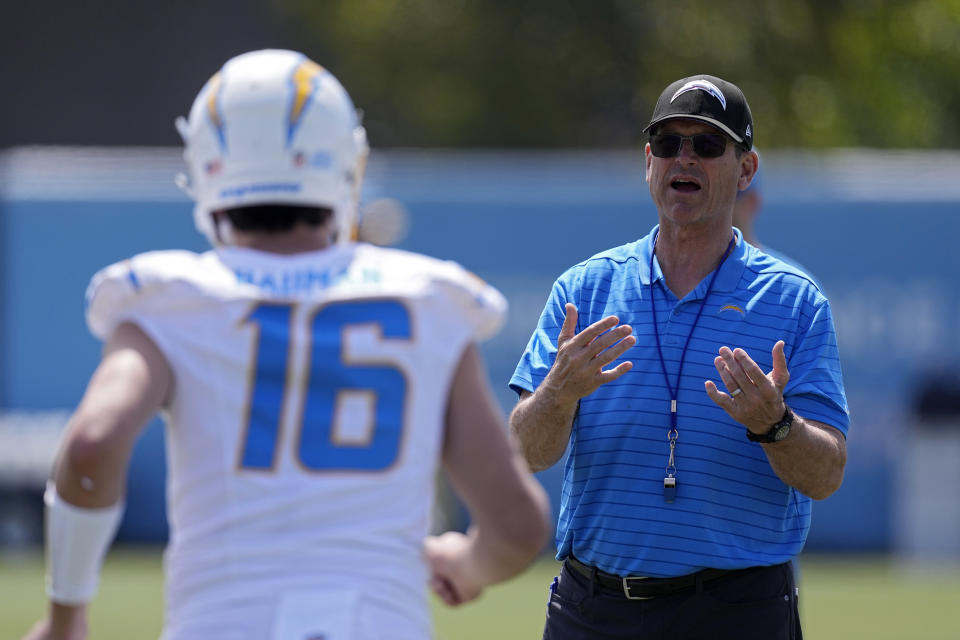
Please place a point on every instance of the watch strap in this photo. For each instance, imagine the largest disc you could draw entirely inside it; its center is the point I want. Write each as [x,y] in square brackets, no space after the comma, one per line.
[777,432]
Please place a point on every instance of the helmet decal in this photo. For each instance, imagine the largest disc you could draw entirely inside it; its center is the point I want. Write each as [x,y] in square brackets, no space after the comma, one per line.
[216,84]
[304,81]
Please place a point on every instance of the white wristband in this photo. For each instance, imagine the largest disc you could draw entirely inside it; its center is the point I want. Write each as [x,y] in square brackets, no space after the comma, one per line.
[77,541]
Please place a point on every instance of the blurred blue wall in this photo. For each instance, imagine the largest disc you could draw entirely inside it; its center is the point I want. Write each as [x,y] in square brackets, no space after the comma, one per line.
[878,232]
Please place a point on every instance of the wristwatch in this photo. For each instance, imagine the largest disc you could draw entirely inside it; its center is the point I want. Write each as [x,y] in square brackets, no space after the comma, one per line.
[777,432]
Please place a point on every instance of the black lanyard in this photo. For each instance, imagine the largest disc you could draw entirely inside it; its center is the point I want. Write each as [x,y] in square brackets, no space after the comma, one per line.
[670,479]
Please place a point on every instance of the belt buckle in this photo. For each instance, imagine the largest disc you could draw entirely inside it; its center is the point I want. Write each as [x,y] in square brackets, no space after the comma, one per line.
[626,589]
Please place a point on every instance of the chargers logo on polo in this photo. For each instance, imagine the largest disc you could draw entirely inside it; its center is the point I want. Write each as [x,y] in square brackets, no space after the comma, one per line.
[702,85]
[729,310]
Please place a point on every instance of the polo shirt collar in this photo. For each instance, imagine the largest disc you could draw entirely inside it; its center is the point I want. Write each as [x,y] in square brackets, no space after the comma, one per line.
[645,248]
[729,275]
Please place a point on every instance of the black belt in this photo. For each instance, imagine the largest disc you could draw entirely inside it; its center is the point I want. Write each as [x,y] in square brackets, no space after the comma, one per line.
[640,588]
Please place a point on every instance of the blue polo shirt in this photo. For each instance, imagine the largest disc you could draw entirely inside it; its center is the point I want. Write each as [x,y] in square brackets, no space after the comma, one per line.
[731,510]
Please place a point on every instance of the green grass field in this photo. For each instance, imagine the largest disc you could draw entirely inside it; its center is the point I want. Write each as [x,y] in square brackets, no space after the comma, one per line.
[842,597]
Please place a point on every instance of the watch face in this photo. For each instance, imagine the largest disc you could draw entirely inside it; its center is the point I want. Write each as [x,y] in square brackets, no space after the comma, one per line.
[781,433]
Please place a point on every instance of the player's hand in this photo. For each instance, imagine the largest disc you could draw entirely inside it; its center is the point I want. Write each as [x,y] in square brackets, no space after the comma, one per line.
[453,575]
[76,629]
[578,368]
[759,403]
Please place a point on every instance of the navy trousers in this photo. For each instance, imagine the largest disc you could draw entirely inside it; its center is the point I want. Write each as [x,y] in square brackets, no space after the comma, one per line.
[756,603]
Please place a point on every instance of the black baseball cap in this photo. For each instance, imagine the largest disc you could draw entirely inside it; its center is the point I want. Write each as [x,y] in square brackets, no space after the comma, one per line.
[711,100]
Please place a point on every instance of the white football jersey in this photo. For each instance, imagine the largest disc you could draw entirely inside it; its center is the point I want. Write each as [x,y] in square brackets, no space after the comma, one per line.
[304,429]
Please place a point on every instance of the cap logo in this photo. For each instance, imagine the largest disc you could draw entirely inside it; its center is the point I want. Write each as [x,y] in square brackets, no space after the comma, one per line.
[702,85]
[749,132]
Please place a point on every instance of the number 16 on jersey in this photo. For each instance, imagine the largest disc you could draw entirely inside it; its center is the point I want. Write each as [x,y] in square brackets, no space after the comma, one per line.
[328,376]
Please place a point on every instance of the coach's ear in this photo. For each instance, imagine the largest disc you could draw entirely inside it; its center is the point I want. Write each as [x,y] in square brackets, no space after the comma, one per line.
[648,159]
[749,165]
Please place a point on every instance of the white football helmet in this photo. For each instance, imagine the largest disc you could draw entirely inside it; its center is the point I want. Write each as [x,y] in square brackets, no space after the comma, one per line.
[273,127]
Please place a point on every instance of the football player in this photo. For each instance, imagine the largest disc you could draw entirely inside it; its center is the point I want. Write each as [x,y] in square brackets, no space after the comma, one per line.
[311,387]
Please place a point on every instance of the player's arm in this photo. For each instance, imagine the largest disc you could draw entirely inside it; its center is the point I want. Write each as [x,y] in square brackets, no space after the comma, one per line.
[508,508]
[85,496]
[541,421]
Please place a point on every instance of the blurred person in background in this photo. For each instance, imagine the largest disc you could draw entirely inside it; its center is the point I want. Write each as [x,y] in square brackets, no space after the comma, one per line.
[312,386]
[746,209]
[695,383]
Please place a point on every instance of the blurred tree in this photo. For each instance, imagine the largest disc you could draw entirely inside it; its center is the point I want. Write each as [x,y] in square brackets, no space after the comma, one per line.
[562,73]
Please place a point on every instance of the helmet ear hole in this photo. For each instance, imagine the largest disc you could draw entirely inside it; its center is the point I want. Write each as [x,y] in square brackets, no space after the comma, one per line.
[272,127]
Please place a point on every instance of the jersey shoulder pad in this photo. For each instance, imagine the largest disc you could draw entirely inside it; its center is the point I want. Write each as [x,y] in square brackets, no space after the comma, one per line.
[137,284]
[481,305]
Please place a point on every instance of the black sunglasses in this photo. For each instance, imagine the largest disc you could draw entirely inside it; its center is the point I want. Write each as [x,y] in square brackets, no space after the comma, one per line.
[706,145]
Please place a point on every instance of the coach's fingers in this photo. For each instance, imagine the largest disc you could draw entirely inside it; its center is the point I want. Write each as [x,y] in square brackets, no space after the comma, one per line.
[734,367]
[612,374]
[725,374]
[568,330]
[610,342]
[780,374]
[616,350]
[749,367]
[589,335]
[722,400]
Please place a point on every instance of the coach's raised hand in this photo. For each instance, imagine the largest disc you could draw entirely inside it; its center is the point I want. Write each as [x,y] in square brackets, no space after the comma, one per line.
[541,421]
[755,398]
[578,369]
